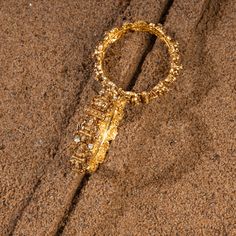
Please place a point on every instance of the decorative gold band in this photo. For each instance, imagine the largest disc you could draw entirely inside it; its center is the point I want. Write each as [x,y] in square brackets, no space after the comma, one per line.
[163,86]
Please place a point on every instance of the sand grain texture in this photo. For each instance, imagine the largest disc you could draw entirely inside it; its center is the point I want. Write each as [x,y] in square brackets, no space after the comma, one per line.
[171,169]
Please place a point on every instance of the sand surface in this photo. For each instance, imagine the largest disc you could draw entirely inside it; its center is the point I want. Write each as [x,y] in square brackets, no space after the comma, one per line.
[170,171]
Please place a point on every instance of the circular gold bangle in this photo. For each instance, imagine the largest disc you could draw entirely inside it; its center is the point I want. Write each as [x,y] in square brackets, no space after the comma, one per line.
[163,86]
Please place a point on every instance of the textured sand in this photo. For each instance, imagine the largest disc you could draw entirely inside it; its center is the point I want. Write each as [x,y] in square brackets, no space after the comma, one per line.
[171,169]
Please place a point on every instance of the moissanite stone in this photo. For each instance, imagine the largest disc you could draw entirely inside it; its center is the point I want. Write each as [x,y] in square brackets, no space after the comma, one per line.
[77,138]
[90,146]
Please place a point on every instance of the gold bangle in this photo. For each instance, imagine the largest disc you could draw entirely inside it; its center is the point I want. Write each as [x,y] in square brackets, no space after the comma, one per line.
[115,34]
[92,139]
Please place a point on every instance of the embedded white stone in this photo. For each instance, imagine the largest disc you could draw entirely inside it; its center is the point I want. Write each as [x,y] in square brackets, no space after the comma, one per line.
[90,146]
[77,138]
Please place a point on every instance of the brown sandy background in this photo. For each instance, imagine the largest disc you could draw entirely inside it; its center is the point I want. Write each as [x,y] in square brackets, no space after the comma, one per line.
[171,169]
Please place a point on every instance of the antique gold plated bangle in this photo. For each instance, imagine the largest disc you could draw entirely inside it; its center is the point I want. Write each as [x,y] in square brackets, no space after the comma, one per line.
[91,140]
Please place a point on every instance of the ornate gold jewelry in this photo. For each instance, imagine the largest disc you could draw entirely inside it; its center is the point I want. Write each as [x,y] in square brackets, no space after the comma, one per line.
[91,140]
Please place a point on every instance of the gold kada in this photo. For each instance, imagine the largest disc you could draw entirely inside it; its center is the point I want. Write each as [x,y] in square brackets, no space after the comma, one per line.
[92,139]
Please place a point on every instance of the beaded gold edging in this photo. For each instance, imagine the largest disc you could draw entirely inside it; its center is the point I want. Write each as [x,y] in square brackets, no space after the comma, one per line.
[163,86]
[92,139]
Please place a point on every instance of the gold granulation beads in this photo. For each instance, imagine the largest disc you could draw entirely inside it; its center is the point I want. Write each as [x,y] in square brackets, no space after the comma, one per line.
[92,139]
[115,34]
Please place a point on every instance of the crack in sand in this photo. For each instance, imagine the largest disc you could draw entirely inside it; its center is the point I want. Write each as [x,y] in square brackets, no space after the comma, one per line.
[152,40]
[73,204]
[27,201]
[151,43]
[166,11]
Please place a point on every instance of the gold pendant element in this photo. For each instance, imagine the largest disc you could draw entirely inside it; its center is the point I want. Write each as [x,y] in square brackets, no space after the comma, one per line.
[93,138]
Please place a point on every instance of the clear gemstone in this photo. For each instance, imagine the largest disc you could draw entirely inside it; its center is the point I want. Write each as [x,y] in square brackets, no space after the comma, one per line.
[102,92]
[90,146]
[77,138]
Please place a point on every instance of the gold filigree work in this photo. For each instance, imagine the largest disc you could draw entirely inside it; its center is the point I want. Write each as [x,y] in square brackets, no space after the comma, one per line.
[92,139]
